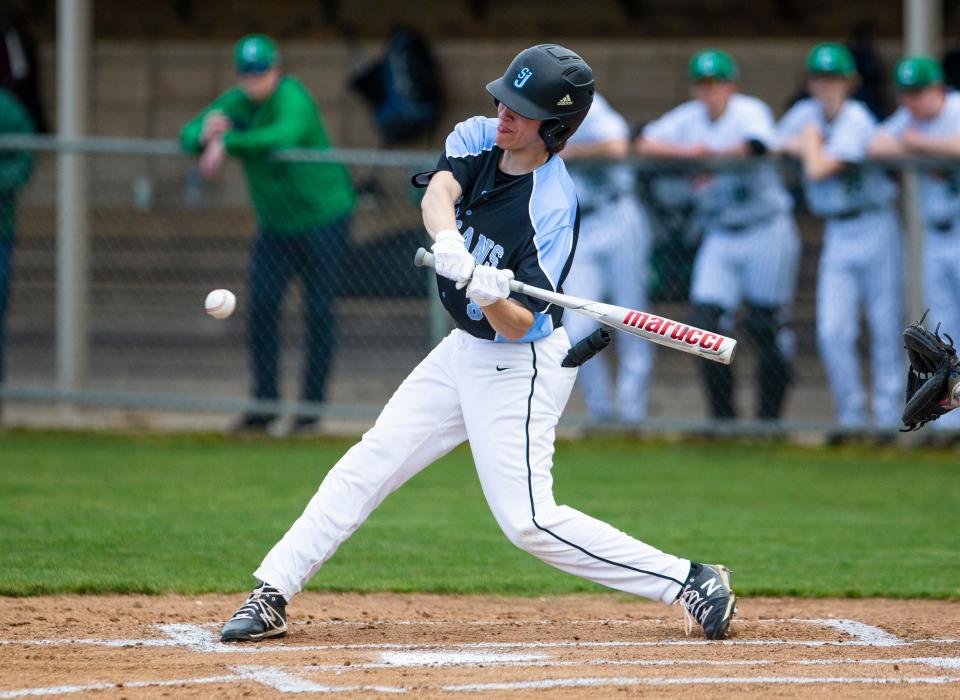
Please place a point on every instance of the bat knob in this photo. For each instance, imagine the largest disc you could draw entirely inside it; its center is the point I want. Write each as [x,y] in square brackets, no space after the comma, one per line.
[418,258]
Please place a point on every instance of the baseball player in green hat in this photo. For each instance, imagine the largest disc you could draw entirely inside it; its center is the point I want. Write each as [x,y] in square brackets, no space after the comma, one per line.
[303,210]
[750,249]
[927,123]
[861,260]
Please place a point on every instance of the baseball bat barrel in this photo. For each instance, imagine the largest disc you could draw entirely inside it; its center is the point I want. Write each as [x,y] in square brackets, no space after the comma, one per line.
[656,329]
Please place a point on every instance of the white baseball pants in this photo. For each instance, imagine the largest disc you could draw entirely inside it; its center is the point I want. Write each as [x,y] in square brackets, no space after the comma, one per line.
[509,415]
[861,265]
[941,279]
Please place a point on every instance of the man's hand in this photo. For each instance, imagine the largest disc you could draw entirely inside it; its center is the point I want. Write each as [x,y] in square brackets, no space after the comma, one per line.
[488,285]
[215,125]
[914,141]
[953,391]
[884,145]
[792,147]
[212,159]
[699,150]
[810,137]
[451,258]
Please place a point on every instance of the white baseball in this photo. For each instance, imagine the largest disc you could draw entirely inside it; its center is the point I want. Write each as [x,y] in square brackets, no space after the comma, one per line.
[220,303]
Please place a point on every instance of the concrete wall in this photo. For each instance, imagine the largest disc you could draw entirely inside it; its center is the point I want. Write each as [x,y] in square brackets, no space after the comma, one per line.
[150,89]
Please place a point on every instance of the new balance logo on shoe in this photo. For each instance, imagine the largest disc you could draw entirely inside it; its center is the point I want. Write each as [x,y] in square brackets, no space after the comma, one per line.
[710,585]
[565,101]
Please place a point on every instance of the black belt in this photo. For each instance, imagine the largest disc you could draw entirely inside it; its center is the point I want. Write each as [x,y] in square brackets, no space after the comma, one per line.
[850,214]
[741,227]
[942,226]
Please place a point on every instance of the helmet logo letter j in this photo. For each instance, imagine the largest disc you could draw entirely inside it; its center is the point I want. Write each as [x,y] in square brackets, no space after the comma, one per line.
[522,77]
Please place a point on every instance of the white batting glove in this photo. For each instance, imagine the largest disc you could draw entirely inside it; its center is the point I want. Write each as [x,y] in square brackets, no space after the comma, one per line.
[451,258]
[489,285]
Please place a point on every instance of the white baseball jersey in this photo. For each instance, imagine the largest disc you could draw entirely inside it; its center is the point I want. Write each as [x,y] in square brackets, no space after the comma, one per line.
[939,192]
[847,139]
[598,185]
[940,204]
[860,265]
[727,199]
[611,265]
[751,249]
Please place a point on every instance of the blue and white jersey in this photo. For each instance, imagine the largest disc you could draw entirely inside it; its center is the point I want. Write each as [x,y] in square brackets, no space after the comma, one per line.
[846,139]
[732,199]
[598,184]
[939,191]
[525,223]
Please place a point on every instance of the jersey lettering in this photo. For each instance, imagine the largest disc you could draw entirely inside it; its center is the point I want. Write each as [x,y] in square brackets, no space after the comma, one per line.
[484,246]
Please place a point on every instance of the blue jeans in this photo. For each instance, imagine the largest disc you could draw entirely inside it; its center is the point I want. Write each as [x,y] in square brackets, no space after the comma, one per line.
[6,256]
[317,257]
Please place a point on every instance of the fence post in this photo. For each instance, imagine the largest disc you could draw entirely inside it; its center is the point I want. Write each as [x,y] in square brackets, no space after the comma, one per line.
[921,35]
[74,29]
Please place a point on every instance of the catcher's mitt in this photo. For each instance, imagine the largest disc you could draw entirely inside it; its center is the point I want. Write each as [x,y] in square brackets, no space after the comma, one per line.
[932,385]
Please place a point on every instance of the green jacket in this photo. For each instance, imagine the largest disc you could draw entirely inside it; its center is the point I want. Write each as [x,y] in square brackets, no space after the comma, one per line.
[15,166]
[289,197]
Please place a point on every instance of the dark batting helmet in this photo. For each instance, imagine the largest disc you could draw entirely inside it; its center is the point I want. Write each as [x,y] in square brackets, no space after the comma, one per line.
[551,83]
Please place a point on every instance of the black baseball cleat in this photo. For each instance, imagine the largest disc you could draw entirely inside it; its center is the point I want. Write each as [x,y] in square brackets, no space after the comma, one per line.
[708,600]
[262,615]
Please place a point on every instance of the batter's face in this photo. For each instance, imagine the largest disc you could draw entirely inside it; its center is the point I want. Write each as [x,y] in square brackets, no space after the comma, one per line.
[516,133]
[924,104]
[259,86]
[714,94]
[830,91]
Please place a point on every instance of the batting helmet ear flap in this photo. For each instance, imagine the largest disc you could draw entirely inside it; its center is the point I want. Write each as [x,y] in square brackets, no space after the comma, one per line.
[555,132]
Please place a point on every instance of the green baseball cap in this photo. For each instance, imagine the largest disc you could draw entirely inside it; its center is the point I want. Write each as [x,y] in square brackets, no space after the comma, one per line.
[255,53]
[916,72]
[713,64]
[830,59]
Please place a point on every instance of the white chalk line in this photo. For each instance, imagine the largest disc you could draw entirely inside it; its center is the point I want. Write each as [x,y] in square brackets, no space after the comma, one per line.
[270,676]
[473,659]
[704,680]
[67,689]
[865,633]
[285,682]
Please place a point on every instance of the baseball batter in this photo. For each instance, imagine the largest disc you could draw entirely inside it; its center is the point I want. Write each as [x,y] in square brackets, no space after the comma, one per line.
[499,199]
[928,123]
[611,261]
[860,264]
[750,250]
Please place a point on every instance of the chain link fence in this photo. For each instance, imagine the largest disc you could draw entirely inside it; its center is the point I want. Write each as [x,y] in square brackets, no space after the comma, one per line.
[160,238]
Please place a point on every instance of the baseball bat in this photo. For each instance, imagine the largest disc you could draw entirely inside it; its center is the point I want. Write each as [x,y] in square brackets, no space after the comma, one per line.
[656,329]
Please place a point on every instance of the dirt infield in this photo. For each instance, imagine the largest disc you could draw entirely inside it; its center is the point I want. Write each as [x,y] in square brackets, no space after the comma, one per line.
[444,646]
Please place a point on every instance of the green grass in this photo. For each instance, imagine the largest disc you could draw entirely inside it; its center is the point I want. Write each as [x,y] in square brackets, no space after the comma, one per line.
[100,513]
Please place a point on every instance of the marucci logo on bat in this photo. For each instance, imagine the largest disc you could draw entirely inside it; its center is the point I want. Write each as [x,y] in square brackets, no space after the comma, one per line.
[681,332]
